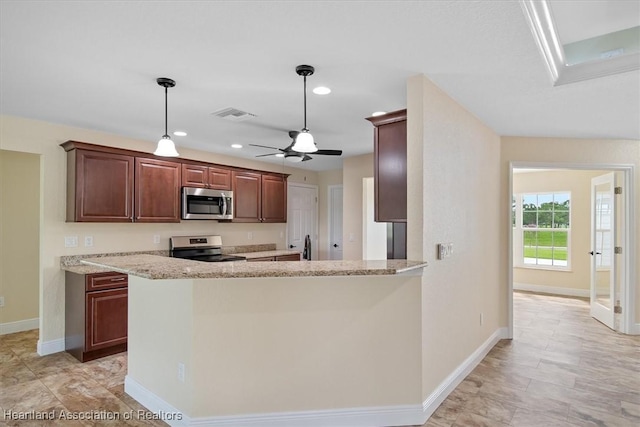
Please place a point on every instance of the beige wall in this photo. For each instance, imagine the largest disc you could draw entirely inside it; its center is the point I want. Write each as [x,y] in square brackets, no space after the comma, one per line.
[578,183]
[354,169]
[270,345]
[454,192]
[19,235]
[325,179]
[42,138]
[587,152]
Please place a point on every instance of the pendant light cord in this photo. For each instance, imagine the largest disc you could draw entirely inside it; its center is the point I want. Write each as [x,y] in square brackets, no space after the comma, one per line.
[305,103]
[166,133]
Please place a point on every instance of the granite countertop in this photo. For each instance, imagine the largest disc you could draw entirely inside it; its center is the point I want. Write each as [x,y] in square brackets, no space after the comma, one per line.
[263,254]
[159,267]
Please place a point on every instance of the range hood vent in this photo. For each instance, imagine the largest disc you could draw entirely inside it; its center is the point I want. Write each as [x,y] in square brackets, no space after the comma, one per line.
[233,114]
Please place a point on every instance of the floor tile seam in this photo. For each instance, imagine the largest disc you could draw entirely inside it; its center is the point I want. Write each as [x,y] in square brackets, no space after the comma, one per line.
[584,407]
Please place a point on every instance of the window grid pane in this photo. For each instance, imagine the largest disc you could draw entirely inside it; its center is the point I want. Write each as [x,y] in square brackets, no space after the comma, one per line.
[545,224]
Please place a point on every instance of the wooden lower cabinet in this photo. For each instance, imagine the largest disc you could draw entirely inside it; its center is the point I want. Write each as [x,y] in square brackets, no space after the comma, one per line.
[95,314]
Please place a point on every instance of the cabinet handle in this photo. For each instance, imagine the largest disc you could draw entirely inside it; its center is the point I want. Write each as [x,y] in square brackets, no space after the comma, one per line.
[335,245]
[119,279]
[292,246]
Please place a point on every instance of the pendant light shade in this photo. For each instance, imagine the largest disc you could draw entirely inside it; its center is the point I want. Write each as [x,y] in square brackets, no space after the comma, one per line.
[304,142]
[166,147]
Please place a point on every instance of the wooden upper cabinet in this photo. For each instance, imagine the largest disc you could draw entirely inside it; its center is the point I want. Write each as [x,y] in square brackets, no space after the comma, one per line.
[274,198]
[246,196]
[157,190]
[259,197]
[201,176]
[219,178]
[99,187]
[390,166]
[195,176]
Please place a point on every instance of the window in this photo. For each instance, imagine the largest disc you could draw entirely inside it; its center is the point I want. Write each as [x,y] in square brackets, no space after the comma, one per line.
[543,226]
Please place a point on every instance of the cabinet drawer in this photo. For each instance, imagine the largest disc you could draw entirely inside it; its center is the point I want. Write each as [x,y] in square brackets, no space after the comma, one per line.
[110,280]
[291,257]
[265,258]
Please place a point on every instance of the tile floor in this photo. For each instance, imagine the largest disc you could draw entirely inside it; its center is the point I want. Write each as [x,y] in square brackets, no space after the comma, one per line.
[562,369]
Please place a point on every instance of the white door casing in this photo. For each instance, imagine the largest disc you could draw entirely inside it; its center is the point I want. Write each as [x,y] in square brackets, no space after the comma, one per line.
[335,222]
[302,217]
[603,241]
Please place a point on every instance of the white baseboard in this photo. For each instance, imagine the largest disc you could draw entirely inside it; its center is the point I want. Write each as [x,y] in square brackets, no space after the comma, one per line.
[50,347]
[456,377]
[398,415]
[553,290]
[19,326]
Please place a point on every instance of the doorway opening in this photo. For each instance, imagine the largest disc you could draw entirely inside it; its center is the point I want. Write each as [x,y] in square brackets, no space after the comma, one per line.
[552,233]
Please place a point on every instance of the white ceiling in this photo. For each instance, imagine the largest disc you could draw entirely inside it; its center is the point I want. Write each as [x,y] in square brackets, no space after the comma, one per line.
[93,65]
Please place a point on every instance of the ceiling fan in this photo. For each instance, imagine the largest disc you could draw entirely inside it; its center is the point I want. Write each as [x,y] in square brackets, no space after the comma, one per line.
[295,156]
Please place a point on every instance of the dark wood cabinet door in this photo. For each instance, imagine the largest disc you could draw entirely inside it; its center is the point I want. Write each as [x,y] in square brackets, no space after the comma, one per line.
[103,187]
[157,190]
[194,176]
[390,167]
[106,319]
[261,259]
[219,178]
[246,196]
[274,198]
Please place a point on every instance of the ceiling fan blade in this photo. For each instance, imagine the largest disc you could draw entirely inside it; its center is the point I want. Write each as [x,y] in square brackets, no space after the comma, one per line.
[329,152]
[265,155]
[306,157]
[266,146]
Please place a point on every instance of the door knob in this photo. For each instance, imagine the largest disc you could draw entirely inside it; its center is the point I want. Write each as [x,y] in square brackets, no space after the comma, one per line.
[597,253]
[292,246]
[335,245]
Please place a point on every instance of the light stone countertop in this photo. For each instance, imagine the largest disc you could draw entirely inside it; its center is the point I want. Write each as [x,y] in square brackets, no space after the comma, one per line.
[158,267]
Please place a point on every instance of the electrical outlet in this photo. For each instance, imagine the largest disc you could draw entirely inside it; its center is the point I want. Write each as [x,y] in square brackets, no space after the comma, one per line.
[281,235]
[70,241]
[250,235]
[156,239]
[88,241]
[181,372]
[1,301]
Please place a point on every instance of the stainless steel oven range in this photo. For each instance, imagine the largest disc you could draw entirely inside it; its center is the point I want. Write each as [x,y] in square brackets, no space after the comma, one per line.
[200,248]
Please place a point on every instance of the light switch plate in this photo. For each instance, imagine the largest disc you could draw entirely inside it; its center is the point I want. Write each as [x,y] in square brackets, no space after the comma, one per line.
[70,241]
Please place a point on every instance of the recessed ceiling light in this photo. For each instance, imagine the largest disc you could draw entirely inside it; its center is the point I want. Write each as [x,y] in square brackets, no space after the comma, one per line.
[180,133]
[321,90]
[379,113]
[236,145]
[280,155]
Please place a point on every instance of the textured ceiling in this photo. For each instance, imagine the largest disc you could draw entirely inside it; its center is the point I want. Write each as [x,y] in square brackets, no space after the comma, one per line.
[94,64]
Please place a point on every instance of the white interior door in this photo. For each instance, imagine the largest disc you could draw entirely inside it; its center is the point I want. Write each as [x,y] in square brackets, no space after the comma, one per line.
[335,222]
[302,214]
[603,232]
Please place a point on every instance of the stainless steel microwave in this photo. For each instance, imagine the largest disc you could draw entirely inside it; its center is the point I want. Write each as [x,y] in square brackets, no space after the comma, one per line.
[202,203]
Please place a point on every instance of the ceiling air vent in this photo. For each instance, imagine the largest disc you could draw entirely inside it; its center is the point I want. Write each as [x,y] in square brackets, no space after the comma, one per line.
[233,114]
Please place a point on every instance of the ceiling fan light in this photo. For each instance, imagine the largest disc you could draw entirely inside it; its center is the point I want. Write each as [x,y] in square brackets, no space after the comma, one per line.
[293,158]
[304,143]
[166,148]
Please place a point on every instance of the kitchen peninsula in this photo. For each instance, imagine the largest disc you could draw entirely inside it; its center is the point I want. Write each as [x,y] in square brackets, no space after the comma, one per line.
[242,343]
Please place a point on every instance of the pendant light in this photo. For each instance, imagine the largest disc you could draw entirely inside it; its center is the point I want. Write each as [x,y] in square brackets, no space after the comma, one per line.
[166,147]
[304,140]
